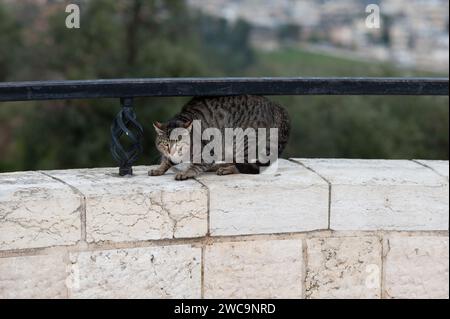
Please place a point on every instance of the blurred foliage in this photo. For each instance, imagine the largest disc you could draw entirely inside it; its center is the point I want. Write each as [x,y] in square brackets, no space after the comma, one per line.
[151,38]
[10,43]
[358,126]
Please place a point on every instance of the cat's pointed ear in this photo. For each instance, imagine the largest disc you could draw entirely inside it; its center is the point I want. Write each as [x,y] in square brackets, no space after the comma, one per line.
[158,128]
[188,125]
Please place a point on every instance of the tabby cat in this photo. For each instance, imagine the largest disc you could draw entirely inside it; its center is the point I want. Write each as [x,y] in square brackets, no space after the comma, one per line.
[245,111]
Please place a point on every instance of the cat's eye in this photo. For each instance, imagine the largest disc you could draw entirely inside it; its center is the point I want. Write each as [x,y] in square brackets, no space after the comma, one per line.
[178,139]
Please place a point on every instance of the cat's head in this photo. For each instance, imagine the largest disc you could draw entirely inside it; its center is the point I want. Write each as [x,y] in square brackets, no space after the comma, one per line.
[173,140]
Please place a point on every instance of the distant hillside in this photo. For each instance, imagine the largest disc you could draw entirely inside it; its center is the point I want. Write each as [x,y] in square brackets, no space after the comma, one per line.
[357,126]
[303,62]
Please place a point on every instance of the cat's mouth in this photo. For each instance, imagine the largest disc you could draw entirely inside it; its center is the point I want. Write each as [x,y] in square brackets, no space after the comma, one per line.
[176,155]
[176,159]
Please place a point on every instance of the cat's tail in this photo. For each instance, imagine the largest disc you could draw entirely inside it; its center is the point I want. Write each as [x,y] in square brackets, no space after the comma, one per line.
[284,129]
[250,168]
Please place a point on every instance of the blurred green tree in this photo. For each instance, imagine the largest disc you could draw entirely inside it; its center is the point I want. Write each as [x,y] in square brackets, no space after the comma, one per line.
[136,38]
[10,43]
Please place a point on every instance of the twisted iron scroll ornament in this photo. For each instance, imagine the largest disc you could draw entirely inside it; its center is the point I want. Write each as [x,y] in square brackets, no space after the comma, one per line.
[125,124]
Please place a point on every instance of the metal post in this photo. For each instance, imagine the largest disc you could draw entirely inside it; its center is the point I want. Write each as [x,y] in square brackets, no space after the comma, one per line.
[125,124]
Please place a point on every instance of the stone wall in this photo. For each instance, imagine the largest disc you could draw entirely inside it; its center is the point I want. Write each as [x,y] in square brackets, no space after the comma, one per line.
[315,228]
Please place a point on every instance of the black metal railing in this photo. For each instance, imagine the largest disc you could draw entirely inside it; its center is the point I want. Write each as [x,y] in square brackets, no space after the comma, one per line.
[126,126]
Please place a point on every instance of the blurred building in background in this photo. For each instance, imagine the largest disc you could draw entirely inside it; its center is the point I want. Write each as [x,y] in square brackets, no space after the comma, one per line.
[413,33]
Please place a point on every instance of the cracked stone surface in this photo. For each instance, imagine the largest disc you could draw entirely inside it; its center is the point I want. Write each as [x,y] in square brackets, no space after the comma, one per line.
[384,194]
[292,199]
[417,267]
[151,272]
[33,277]
[254,269]
[140,207]
[343,267]
[441,167]
[37,211]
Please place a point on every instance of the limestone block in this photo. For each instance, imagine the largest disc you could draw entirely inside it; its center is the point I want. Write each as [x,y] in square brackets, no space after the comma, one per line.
[151,272]
[254,269]
[417,267]
[292,199]
[384,194]
[343,267]
[139,207]
[37,211]
[33,277]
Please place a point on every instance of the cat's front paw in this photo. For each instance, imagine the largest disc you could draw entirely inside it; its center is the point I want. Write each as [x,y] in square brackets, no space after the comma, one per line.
[155,172]
[181,176]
